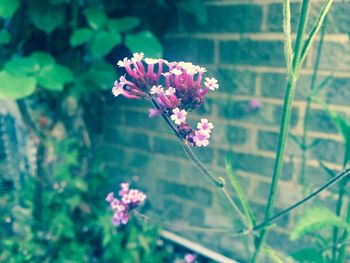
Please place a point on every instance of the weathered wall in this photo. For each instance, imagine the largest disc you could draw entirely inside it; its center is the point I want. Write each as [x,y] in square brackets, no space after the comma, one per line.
[242,46]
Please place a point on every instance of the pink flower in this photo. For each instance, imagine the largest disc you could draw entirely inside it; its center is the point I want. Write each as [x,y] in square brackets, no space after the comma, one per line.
[154,112]
[117,89]
[170,91]
[254,104]
[156,89]
[130,199]
[110,197]
[179,116]
[190,258]
[211,83]
[176,72]
[205,126]
[201,138]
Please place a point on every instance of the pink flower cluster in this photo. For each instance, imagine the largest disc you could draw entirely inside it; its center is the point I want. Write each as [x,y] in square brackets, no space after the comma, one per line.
[129,200]
[175,88]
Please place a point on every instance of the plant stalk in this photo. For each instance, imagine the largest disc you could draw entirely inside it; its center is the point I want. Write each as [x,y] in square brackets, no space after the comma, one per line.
[308,106]
[286,116]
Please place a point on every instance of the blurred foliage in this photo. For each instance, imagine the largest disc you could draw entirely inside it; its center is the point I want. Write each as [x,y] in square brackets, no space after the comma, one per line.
[57,58]
[45,43]
[75,225]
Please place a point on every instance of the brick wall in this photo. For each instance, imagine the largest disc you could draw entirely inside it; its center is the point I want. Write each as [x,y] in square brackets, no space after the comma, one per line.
[242,46]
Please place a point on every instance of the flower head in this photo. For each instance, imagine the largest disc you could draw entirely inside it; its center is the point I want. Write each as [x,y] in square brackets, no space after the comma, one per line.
[179,116]
[175,88]
[129,200]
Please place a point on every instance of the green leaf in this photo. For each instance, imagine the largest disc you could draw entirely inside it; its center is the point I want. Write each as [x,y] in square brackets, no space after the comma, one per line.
[123,24]
[96,17]
[103,74]
[103,43]
[316,218]
[8,8]
[5,37]
[329,171]
[308,255]
[16,87]
[44,59]
[80,36]
[81,184]
[144,42]
[46,17]
[25,66]
[54,77]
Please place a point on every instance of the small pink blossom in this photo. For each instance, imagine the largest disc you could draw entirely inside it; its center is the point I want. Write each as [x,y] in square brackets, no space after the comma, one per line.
[156,89]
[117,89]
[254,104]
[211,83]
[201,138]
[110,197]
[190,258]
[179,116]
[154,112]
[205,126]
[170,91]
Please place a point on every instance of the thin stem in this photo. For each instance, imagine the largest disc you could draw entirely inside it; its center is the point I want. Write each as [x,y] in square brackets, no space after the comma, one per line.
[219,182]
[308,106]
[286,116]
[342,251]
[339,206]
[328,184]
[300,33]
[288,51]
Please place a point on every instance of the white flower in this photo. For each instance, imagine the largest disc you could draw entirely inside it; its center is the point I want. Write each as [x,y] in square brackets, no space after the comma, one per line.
[176,71]
[179,116]
[123,63]
[156,89]
[137,57]
[170,91]
[191,71]
[201,69]
[205,126]
[211,83]
[117,89]
[151,60]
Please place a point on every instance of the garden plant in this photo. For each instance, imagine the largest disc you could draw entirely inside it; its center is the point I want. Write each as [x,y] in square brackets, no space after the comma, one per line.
[73,222]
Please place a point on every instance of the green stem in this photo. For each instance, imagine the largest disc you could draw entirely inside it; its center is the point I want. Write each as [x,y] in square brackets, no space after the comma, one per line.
[342,250]
[308,106]
[286,116]
[343,174]
[219,182]
[339,206]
